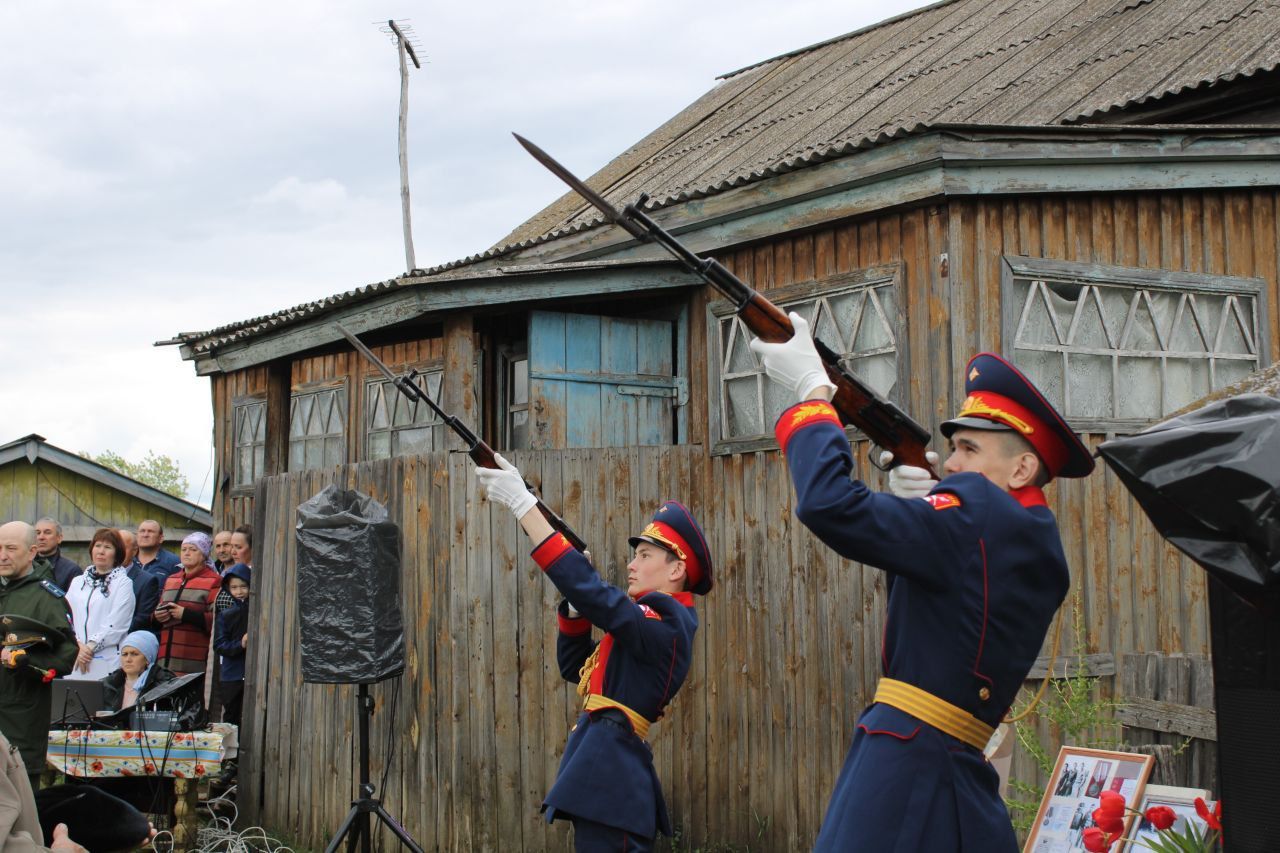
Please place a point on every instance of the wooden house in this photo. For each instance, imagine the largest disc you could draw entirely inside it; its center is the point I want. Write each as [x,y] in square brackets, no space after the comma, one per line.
[38,479]
[1088,187]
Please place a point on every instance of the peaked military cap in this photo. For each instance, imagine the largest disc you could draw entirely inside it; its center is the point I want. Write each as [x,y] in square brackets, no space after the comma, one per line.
[999,397]
[19,632]
[674,529]
[95,819]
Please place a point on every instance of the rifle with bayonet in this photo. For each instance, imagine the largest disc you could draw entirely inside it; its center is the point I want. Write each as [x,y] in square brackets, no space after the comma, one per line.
[857,403]
[480,452]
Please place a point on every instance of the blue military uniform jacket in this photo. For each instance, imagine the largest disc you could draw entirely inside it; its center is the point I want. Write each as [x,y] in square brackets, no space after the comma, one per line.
[607,774]
[975,575]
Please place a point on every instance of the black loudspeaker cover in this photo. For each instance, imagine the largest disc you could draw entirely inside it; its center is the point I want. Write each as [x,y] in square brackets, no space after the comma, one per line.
[348,589]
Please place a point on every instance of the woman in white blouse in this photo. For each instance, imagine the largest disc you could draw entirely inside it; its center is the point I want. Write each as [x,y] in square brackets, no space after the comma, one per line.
[101,602]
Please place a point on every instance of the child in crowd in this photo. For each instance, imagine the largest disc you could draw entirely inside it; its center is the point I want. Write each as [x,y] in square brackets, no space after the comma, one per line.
[231,638]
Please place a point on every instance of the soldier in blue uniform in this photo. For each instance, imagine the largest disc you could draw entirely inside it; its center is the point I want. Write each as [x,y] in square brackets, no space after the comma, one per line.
[975,572]
[606,784]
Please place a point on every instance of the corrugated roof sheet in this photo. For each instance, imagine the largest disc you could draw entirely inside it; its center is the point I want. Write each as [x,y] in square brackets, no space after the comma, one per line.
[216,338]
[999,62]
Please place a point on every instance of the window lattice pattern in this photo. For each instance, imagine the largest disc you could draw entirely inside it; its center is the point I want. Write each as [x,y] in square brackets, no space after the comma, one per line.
[317,429]
[858,323]
[249,440]
[1117,352]
[398,426]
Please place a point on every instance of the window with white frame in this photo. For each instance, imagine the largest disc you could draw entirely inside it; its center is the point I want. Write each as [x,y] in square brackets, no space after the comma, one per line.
[398,426]
[856,315]
[249,440]
[514,363]
[1114,347]
[317,428]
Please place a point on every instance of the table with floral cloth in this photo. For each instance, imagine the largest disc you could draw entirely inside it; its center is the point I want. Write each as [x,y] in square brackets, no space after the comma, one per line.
[185,757]
[105,753]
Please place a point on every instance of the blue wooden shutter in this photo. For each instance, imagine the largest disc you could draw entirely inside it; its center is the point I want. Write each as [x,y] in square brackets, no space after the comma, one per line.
[601,381]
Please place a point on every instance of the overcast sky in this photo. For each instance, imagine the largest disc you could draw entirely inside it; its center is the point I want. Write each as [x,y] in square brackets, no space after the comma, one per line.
[174,167]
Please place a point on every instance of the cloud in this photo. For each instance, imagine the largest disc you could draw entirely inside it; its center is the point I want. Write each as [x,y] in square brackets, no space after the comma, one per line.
[222,160]
[308,198]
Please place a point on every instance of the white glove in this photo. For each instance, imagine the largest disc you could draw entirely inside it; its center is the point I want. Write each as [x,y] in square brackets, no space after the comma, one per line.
[504,485]
[795,363]
[907,481]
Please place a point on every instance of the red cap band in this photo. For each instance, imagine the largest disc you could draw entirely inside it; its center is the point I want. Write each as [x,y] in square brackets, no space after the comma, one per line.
[1001,409]
[666,536]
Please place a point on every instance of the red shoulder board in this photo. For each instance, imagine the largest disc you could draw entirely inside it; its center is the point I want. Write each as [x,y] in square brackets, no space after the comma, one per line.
[942,500]
[649,612]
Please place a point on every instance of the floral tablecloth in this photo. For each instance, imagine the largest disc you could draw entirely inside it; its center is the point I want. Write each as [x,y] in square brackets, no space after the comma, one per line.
[104,754]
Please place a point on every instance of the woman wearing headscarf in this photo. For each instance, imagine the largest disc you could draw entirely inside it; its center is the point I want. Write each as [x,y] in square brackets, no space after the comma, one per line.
[184,617]
[137,674]
[101,601]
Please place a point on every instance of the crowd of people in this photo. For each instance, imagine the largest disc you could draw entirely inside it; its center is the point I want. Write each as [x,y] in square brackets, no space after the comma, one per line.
[135,598]
[136,616]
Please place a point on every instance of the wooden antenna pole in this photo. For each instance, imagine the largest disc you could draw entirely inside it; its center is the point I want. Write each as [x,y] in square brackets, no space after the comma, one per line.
[403,47]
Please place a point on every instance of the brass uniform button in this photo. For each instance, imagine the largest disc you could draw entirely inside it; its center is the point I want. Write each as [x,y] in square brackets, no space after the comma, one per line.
[984,693]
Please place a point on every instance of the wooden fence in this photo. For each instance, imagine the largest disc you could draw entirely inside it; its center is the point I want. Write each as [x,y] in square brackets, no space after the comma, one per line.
[469,739]
[1166,707]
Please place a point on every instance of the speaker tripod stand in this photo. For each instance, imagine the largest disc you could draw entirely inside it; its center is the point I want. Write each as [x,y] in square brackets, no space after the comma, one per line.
[356,826]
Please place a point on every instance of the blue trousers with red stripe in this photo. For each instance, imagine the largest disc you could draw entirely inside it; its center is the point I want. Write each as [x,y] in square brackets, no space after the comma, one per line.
[592,837]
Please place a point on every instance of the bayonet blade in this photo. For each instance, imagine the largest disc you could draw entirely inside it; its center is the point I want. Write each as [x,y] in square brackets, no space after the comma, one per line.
[365,351]
[597,201]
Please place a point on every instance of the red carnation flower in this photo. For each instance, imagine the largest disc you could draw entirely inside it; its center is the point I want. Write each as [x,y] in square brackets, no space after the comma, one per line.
[49,675]
[1214,818]
[1096,841]
[1161,817]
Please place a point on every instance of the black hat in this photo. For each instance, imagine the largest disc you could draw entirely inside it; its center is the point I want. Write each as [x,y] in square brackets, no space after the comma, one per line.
[20,632]
[95,820]
[999,397]
[674,529]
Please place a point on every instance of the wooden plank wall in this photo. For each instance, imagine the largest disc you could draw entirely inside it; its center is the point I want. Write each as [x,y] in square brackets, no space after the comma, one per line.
[30,492]
[787,655]
[231,506]
[753,744]
[1185,682]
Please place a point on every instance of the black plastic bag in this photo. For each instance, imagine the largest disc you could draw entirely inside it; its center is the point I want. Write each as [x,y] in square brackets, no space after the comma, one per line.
[1210,482]
[348,589]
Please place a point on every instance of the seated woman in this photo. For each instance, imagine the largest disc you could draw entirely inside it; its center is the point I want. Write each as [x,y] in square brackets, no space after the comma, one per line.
[137,674]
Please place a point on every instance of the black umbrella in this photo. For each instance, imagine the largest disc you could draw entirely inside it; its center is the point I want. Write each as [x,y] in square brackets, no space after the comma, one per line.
[1210,482]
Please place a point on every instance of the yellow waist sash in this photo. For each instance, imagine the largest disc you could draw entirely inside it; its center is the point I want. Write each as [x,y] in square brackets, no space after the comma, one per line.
[595,702]
[939,713]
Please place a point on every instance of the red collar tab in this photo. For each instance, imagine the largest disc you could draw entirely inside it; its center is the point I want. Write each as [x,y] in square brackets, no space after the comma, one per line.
[1029,496]
[684,596]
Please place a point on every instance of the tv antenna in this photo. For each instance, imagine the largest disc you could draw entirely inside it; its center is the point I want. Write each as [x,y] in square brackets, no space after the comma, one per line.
[401,33]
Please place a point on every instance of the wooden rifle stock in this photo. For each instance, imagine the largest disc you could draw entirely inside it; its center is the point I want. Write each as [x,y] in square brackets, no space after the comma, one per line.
[480,452]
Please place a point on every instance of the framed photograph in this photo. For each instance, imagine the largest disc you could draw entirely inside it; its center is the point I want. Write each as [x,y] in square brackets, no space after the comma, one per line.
[1074,792]
[1183,803]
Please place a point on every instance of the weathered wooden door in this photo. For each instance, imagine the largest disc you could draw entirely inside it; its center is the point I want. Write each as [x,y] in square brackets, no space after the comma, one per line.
[601,381]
